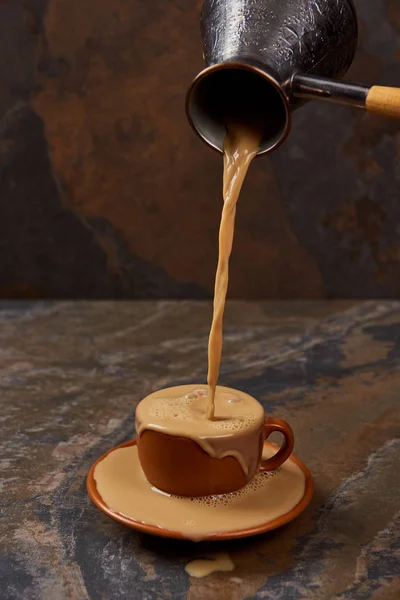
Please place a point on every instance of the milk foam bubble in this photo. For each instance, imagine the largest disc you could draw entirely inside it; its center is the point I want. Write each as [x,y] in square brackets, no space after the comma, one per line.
[259,482]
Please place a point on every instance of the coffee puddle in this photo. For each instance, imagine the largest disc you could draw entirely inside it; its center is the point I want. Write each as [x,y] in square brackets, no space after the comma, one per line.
[202,567]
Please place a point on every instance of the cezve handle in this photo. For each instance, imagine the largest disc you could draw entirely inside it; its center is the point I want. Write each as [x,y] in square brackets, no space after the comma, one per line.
[384,101]
[377,99]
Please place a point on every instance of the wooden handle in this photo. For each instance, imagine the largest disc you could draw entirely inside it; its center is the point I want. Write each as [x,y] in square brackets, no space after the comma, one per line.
[384,101]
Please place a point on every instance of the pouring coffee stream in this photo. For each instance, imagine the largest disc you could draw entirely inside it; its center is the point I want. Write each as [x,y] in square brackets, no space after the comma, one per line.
[265,58]
[241,145]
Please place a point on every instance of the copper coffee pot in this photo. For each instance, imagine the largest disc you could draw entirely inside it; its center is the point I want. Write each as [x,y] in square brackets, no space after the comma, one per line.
[265,58]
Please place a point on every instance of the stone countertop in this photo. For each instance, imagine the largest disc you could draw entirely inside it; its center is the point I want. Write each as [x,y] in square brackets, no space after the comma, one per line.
[71,375]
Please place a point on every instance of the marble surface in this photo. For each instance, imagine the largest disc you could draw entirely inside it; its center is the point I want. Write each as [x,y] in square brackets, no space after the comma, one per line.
[71,375]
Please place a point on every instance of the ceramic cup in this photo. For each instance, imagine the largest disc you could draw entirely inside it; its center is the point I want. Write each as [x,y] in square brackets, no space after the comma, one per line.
[179,465]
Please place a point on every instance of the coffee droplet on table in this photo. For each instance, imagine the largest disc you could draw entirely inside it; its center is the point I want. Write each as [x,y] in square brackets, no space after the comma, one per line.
[202,567]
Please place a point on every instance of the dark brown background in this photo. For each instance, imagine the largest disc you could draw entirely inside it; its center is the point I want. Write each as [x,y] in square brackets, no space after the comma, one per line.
[105,191]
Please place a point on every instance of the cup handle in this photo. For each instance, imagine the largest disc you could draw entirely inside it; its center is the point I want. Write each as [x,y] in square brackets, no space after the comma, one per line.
[285,450]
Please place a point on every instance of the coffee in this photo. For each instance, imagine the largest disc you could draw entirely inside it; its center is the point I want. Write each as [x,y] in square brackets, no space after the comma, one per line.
[204,441]
[240,147]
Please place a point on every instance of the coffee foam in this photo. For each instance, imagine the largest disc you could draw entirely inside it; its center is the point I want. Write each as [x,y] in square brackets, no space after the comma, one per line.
[200,393]
[187,408]
[235,425]
[257,483]
[171,408]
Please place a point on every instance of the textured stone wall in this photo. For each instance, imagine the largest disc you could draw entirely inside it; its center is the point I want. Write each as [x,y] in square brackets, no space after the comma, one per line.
[106,192]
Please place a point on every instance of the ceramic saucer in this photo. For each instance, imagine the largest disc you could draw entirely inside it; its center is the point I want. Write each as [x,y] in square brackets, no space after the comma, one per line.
[134,485]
